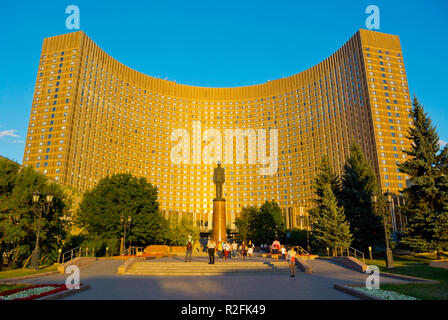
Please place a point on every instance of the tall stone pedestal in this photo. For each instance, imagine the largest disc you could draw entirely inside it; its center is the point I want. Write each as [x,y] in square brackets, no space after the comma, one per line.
[219,220]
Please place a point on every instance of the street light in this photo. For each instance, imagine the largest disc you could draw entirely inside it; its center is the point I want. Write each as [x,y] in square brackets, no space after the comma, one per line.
[389,255]
[126,224]
[308,247]
[48,201]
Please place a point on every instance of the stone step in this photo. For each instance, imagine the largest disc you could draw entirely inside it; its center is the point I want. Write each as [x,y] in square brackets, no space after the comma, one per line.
[181,263]
[180,268]
[205,270]
[199,273]
[186,265]
[209,266]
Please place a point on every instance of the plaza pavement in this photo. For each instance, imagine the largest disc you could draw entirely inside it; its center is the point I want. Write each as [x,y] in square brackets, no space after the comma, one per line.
[106,284]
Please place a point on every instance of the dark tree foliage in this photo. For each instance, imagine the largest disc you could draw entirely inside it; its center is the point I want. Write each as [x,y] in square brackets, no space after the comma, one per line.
[123,195]
[359,184]
[427,197]
[245,223]
[261,225]
[19,215]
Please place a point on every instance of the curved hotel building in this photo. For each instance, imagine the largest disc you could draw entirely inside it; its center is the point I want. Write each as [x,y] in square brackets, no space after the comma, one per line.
[92,116]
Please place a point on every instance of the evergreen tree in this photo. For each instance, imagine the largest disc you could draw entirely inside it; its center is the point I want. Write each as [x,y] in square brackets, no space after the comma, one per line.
[326,176]
[330,228]
[427,196]
[359,183]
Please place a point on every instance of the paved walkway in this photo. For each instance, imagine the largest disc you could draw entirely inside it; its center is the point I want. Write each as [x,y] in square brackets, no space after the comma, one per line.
[107,284]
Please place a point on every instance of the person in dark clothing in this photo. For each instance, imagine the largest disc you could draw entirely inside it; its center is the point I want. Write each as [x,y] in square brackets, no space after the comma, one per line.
[189,244]
[211,245]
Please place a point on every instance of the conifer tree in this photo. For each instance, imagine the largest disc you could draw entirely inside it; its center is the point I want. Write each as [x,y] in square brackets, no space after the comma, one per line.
[330,227]
[326,176]
[427,195]
[359,184]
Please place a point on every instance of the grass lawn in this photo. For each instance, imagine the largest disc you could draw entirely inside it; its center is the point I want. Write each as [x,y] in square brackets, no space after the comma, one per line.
[417,266]
[7,287]
[24,272]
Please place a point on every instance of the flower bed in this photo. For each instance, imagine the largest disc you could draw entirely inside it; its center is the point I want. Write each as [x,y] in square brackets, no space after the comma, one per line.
[385,294]
[33,292]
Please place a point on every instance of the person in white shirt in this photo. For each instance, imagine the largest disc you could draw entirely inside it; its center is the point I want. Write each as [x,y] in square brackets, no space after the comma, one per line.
[283,251]
[250,249]
[291,258]
[234,249]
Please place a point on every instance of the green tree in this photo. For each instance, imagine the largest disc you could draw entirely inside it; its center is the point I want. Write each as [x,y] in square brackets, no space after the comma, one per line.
[326,176]
[330,228]
[19,215]
[359,184]
[245,223]
[180,229]
[261,225]
[269,224]
[427,197]
[123,195]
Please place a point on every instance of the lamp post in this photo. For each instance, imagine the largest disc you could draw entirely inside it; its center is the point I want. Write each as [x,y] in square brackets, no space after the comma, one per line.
[308,247]
[127,224]
[48,201]
[389,255]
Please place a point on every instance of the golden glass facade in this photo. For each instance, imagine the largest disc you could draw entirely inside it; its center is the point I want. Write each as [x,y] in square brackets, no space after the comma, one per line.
[92,116]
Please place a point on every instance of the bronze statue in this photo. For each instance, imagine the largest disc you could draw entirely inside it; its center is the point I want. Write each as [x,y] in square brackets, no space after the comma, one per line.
[218,180]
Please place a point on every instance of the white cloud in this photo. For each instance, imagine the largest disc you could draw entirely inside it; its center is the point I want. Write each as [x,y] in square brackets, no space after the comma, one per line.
[442,143]
[8,133]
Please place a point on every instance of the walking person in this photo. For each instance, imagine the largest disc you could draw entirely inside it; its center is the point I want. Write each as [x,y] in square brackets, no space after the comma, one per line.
[211,245]
[189,249]
[291,258]
[219,248]
[229,250]
[244,250]
[250,249]
[234,249]
[283,251]
[275,249]
[223,252]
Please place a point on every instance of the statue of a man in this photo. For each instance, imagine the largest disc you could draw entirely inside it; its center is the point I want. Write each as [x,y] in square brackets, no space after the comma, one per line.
[218,180]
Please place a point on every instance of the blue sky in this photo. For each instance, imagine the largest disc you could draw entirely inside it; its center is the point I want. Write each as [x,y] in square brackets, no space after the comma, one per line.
[217,44]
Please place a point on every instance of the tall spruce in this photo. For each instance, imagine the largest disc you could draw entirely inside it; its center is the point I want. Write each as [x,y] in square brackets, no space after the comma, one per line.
[427,196]
[359,183]
[330,228]
[325,176]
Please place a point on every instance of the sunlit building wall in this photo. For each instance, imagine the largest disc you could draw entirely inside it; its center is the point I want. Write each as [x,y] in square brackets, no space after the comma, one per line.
[92,116]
